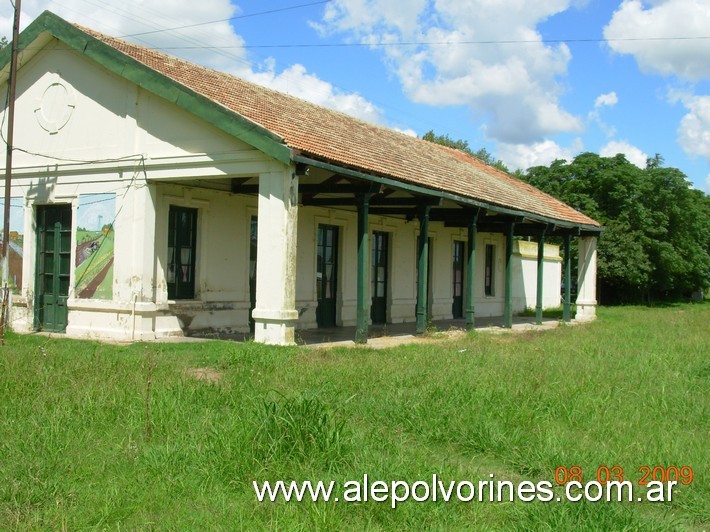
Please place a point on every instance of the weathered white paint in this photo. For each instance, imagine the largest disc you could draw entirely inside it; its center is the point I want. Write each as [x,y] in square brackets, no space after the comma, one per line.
[401,295]
[135,142]
[275,314]
[587,279]
[524,289]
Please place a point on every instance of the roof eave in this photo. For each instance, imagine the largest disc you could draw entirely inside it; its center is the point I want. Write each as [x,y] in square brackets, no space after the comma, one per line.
[395,183]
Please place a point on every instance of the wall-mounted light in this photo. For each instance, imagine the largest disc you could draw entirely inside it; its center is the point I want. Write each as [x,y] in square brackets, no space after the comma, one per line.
[302,169]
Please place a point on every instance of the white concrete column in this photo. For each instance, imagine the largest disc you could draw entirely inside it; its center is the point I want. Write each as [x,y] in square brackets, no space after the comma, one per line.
[143,323]
[587,279]
[143,243]
[275,314]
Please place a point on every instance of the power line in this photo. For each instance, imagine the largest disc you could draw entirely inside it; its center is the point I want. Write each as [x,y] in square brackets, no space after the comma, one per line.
[440,43]
[269,12]
[130,15]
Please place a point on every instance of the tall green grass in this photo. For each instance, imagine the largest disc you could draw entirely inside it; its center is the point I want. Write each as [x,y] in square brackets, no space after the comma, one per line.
[83,446]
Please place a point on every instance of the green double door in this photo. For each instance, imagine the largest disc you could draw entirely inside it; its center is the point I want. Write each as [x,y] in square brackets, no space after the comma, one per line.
[53,267]
[327,275]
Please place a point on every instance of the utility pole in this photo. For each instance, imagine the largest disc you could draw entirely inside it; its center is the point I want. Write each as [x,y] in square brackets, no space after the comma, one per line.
[12,84]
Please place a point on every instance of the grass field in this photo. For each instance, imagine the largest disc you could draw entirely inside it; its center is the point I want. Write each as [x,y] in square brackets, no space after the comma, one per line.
[172,435]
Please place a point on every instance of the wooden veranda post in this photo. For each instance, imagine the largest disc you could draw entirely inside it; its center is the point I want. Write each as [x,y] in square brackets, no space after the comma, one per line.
[423,257]
[471,273]
[540,277]
[363,269]
[568,279]
[508,308]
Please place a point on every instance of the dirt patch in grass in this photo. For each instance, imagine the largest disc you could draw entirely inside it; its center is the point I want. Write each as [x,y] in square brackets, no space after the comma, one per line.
[208,375]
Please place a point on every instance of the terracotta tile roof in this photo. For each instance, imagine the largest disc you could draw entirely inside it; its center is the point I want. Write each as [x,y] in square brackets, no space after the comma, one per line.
[340,139]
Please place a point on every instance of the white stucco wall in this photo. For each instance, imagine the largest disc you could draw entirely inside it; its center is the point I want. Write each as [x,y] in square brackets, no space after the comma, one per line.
[82,130]
[401,295]
[524,290]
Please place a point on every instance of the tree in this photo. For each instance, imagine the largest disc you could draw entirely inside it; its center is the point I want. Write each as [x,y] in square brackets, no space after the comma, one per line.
[657,227]
[462,145]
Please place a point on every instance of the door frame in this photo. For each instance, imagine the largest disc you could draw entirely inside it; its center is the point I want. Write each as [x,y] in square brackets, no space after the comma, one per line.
[251,272]
[378,309]
[38,320]
[178,287]
[327,313]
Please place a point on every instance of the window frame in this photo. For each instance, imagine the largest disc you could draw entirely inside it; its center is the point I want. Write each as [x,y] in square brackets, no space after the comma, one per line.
[489,271]
[177,240]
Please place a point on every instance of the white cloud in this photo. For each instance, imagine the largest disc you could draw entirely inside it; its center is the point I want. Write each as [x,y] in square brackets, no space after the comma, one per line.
[686,58]
[633,154]
[131,17]
[523,156]
[367,15]
[296,81]
[407,131]
[514,87]
[610,99]
[214,45]
[694,130]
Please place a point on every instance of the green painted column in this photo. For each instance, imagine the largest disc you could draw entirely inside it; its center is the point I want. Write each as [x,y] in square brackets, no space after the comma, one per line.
[568,278]
[423,257]
[508,308]
[471,273]
[363,269]
[540,277]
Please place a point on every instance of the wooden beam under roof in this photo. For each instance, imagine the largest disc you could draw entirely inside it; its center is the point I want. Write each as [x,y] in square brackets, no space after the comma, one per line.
[374,201]
[239,187]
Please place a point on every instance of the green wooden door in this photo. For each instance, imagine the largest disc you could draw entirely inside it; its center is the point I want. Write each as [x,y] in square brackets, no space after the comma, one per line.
[53,265]
[378,310]
[458,260]
[327,275]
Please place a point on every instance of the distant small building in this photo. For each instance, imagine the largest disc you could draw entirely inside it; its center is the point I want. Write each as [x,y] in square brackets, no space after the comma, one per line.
[236,206]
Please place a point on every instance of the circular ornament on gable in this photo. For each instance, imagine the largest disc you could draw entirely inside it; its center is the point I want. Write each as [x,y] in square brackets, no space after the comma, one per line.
[56,107]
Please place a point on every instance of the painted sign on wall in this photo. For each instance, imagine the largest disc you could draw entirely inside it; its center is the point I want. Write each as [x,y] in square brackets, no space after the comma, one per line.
[94,246]
[16,249]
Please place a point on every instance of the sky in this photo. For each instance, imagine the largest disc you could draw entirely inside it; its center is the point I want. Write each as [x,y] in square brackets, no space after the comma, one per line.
[529,81]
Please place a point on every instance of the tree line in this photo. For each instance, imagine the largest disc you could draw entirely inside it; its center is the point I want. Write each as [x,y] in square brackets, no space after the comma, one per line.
[656,240]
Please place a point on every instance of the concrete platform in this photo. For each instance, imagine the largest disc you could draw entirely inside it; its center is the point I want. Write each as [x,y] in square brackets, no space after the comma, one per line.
[391,334]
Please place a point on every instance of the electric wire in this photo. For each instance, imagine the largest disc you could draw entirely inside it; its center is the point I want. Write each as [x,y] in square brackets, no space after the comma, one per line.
[441,43]
[133,17]
[222,50]
[237,17]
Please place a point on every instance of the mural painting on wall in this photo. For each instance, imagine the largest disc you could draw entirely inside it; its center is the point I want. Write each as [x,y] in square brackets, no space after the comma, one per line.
[94,246]
[15,250]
